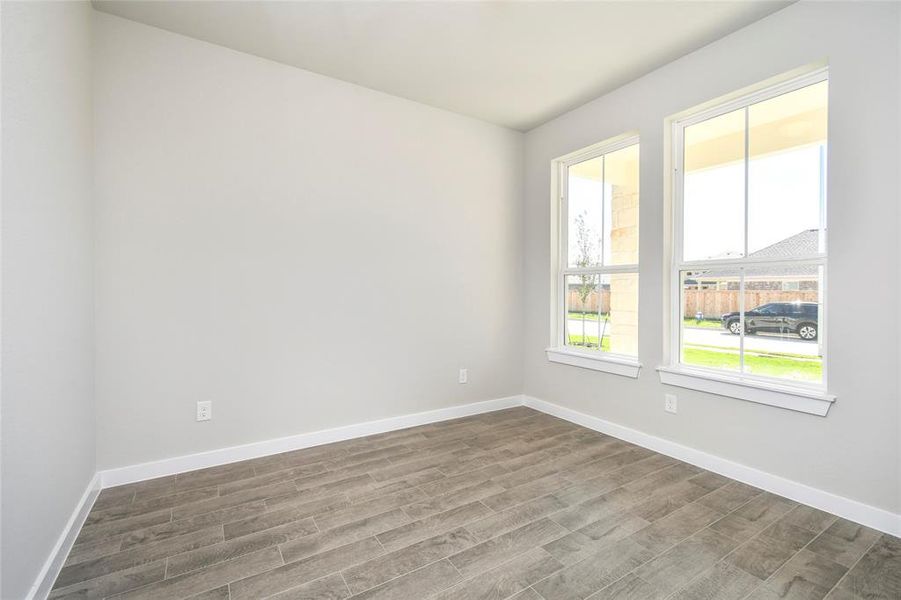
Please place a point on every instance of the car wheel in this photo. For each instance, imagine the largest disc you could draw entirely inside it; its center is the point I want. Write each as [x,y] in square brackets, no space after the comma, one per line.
[807,331]
[735,327]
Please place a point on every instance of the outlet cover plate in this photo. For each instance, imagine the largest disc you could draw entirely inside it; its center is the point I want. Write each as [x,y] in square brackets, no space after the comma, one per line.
[670,404]
[205,410]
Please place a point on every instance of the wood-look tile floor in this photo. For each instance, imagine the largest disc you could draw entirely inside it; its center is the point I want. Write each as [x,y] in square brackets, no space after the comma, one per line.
[511,504]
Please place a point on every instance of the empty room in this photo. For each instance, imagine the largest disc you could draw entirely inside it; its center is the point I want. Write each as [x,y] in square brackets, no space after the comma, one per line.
[450,300]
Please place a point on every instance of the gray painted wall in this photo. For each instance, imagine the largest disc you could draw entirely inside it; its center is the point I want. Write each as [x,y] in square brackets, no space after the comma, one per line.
[303,252]
[48,450]
[854,451]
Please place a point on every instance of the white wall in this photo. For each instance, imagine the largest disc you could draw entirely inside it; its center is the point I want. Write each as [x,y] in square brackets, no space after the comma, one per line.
[303,252]
[48,450]
[854,451]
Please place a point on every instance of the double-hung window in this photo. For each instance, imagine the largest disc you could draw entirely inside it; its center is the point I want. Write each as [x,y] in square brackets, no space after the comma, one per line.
[749,247]
[595,280]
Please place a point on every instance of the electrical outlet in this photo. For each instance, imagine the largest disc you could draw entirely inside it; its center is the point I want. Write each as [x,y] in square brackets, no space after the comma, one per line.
[205,410]
[464,376]
[669,403]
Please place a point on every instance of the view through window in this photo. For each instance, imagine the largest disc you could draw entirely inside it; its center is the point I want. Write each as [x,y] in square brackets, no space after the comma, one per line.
[750,239]
[599,264]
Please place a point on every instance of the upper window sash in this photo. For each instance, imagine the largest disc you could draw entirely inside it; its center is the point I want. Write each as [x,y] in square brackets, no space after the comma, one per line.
[678,149]
[563,165]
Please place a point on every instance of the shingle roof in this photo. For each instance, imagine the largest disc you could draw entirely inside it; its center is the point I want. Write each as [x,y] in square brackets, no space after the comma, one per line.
[804,243]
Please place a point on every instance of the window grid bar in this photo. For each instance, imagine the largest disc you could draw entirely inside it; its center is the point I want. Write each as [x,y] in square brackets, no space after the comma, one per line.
[603,254]
[747,170]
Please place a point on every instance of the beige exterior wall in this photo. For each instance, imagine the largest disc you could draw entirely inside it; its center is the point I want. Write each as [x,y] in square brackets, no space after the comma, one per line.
[623,175]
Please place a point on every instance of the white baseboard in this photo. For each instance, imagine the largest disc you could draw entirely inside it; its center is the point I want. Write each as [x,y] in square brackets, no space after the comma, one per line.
[852,510]
[181,464]
[44,582]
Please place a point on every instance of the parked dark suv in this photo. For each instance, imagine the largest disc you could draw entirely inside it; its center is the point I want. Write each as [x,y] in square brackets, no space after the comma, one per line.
[795,317]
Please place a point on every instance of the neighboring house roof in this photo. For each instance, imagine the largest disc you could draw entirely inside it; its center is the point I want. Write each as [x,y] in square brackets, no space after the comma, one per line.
[805,243]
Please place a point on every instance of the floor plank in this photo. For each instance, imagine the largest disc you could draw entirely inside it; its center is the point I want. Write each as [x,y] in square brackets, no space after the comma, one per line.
[513,504]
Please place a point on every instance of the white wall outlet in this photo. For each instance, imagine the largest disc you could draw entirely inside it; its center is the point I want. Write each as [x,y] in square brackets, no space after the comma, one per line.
[669,403]
[205,410]
[464,376]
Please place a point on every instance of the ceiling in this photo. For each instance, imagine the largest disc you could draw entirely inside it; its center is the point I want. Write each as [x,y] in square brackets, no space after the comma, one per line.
[516,64]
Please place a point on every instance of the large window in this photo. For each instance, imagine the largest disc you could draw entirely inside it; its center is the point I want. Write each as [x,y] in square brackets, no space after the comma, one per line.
[749,251]
[596,279]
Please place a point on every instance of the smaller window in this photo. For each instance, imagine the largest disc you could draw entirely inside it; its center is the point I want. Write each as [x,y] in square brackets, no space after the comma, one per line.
[596,279]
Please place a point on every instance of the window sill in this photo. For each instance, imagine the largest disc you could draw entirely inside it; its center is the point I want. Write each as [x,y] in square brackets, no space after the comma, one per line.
[618,365]
[799,398]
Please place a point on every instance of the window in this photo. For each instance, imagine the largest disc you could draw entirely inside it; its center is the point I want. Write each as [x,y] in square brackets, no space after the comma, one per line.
[595,322]
[749,255]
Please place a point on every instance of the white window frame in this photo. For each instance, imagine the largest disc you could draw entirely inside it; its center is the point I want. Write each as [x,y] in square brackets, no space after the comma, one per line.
[799,396]
[558,351]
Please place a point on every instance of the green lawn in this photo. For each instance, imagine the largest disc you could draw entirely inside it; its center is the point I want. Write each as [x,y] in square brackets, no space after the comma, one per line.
[590,340]
[766,365]
[720,349]
[796,367]
[705,324]
[577,316]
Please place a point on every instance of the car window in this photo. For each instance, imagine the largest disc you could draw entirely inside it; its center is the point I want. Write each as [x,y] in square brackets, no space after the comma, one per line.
[766,309]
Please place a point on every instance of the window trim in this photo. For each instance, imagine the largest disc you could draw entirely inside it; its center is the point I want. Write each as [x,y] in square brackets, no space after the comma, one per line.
[799,396]
[557,351]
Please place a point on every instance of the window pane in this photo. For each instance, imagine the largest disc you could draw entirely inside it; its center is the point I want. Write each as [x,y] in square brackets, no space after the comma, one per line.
[782,308]
[586,310]
[621,207]
[711,328]
[781,337]
[786,173]
[714,188]
[585,211]
[622,330]
[602,312]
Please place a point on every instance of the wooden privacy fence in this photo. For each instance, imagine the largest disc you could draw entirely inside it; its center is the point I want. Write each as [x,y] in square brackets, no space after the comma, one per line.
[714,303]
[575,304]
